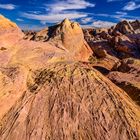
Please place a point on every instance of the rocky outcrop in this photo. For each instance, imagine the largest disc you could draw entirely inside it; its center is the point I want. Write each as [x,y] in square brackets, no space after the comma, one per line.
[10,34]
[14,49]
[126,75]
[68,101]
[96,34]
[136,25]
[122,38]
[113,49]
[71,37]
[127,27]
[126,46]
[6,24]
[128,82]
[29,35]
[124,27]
[68,36]
[43,35]
[46,94]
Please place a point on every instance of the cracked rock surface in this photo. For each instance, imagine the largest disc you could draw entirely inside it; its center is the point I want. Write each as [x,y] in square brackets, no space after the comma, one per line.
[70,101]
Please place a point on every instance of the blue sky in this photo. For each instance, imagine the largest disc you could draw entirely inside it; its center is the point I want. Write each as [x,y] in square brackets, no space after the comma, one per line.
[36,14]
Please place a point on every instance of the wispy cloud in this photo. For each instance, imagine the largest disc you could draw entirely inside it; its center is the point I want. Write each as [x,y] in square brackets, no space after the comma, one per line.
[19,19]
[103,24]
[54,18]
[7,6]
[119,15]
[66,5]
[112,0]
[59,10]
[86,20]
[131,6]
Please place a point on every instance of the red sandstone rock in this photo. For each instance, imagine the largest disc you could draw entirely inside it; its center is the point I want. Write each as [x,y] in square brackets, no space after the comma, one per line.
[46,94]
[69,97]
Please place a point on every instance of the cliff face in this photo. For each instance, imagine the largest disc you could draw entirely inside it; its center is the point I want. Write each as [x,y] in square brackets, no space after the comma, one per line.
[45,93]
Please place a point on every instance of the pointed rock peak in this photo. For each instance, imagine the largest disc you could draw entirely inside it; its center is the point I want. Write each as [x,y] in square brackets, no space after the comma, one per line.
[66,22]
[124,21]
[124,27]
[72,25]
[6,23]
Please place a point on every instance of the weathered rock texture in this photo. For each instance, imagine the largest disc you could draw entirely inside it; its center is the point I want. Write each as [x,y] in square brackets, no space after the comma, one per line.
[127,76]
[69,101]
[118,45]
[67,35]
[45,94]
[124,27]
[10,34]
[9,31]
[72,38]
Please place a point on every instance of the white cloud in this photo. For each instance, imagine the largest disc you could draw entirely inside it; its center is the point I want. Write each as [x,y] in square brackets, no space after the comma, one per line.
[19,19]
[131,6]
[59,10]
[86,20]
[53,18]
[119,15]
[103,24]
[66,5]
[130,20]
[7,6]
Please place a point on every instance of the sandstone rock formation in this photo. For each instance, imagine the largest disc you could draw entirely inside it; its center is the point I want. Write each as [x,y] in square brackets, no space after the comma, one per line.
[119,45]
[72,38]
[29,35]
[66,35]
[10,34]
[6,24]
[136,26]
[69,101]
[124,27]
[127,76]
[122,38]
[46,94]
